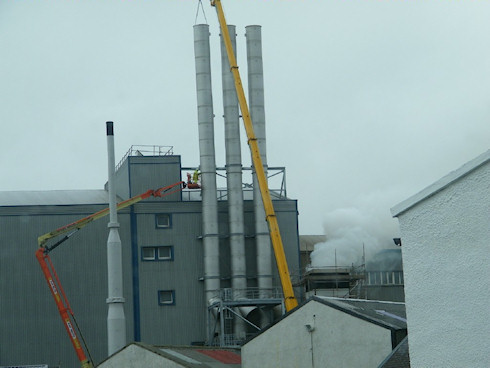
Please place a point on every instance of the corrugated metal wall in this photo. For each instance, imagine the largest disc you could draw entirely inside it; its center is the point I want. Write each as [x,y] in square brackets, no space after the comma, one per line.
[147,172]
[181,323]
[31,331]
[122,180]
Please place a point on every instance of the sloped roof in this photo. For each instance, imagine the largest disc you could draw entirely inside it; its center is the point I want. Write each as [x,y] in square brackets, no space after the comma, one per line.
[390,315]
[53,197]
[441,184]
[399,357]
[193,356]
[386,314]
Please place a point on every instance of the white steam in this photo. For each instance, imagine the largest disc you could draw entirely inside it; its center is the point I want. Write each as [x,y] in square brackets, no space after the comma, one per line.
[348,230]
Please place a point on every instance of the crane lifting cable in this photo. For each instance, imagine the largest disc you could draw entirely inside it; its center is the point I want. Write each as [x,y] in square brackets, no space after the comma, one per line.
[200,6]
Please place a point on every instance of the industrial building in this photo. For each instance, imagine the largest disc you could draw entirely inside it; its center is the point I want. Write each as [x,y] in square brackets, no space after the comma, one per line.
[379,277]
[198,264]
[446,261]
[162,256]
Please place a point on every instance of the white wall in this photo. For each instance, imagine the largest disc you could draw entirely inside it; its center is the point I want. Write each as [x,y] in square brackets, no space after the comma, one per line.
[446,264]
[339,340]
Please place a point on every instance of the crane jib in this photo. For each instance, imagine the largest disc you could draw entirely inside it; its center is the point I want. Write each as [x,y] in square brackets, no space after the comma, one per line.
[287,287]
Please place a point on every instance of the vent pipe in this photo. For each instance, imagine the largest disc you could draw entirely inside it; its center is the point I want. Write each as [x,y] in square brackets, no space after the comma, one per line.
[257,113]
[116,322]
[205,118]
[234,179]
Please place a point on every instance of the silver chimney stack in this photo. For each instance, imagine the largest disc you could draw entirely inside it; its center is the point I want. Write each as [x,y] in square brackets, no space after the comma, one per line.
[257,113]
[234,179]
[116,322]
[205,117]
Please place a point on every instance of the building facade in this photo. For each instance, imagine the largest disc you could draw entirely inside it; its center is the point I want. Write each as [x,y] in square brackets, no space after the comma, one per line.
[162,249]
[446,264]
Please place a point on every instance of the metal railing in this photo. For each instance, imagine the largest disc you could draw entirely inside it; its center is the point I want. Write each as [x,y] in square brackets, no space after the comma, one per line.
[146,150]
[253,293]
[276,177]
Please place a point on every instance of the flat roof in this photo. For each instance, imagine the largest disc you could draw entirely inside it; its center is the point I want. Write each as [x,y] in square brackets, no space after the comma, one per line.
[53,197]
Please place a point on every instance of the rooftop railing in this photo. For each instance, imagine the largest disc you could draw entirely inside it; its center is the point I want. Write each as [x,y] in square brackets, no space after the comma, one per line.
[276,177]
[146,150]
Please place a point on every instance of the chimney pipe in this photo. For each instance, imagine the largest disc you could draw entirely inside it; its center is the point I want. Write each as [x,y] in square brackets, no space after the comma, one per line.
[205,117]
[116,322]
[234,179]
[257,113]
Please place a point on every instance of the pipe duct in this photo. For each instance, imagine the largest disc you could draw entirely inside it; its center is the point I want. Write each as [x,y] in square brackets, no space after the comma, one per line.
[257,113]
[234,178]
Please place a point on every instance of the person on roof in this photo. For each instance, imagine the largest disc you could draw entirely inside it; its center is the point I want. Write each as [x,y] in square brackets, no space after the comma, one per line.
[195,176]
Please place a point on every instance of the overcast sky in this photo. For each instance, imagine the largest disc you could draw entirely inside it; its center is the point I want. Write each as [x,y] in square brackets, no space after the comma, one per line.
[367,102]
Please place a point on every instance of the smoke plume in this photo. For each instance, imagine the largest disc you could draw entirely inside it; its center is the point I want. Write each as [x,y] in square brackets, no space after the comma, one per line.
[368,225]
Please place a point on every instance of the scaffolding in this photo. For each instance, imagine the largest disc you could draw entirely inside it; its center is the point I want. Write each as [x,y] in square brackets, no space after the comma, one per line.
[251,305]
[336,281]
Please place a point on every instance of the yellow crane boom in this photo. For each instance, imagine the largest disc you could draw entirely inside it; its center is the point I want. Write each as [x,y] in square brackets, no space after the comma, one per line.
[287,287]
[77,225]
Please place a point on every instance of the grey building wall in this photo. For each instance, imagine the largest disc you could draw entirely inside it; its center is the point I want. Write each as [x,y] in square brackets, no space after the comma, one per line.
[31,331]
[152,173]
[183,321]
[384,276]
[122,180]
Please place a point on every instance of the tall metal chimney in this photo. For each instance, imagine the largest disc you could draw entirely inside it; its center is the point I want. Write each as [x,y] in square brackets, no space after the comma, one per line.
[116,322]
[257,113]
[234,179]
[205,117]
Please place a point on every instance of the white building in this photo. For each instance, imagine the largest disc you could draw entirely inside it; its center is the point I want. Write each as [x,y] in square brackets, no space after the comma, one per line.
[445,233]
[329,332]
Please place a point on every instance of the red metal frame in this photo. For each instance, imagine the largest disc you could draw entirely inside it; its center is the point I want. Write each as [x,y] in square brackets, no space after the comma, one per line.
[62,303]
[42,255]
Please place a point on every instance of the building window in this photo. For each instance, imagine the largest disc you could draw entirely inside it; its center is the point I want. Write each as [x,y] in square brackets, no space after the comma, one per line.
[148,253]
[166,297]
[157,253]
[163,221]
[165,253]
[385,278]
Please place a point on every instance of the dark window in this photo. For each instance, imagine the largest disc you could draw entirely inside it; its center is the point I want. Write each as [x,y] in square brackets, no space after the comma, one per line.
[164,253]
[158,253]
[163,221]
[148,253]
[166,297]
